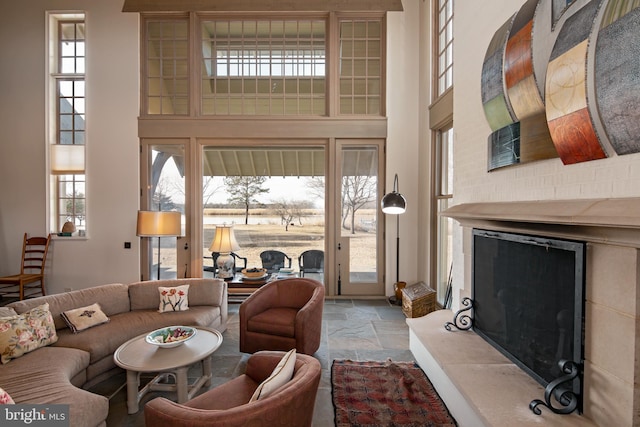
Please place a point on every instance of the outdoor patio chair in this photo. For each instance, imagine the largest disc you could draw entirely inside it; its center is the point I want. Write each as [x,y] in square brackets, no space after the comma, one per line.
[311,261]
[30,280]
[273,261]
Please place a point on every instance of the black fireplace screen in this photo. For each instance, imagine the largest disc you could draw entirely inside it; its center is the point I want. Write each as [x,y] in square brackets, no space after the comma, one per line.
[528,299]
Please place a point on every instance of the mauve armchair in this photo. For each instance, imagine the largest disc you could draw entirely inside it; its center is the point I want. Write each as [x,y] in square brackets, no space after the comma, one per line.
[282,315]
[227,405]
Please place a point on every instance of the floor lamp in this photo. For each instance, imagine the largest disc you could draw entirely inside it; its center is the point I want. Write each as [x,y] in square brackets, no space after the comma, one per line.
[394,203]
[159,224]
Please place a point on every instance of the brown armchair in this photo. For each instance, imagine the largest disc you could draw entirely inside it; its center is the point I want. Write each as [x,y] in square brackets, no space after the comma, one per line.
[282,315]
[227,404]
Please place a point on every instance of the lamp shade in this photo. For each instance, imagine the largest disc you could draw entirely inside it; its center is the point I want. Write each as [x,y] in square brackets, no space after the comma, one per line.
[394,203]
[67,159]
[159,223]
[224,241]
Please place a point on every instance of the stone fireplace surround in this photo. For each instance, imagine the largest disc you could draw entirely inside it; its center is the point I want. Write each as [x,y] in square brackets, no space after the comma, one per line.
[481,386]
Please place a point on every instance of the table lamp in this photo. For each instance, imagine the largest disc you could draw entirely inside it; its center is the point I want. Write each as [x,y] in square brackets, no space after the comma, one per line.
[159,224]
[224,242]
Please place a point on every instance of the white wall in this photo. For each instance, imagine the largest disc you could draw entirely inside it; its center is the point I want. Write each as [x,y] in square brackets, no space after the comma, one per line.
[614,177]
[404,107]
[112,146]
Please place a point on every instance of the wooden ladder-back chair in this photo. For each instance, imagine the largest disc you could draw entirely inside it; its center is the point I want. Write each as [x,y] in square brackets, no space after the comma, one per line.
[30,281]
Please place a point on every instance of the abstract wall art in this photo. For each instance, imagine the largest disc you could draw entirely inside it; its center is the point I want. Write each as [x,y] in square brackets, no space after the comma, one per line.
[571,83]
[568,115]
[617,74]
[497,109]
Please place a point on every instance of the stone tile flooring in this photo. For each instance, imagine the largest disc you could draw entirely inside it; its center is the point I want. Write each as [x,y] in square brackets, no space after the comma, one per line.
[352,329]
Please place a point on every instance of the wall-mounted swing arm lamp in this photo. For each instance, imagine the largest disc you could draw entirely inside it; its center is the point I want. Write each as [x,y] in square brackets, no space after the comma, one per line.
[159,224]
[394,203]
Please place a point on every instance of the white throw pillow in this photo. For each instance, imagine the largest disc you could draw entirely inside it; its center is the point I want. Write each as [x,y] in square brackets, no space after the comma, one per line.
[281,375]
[83,318]
[175,298]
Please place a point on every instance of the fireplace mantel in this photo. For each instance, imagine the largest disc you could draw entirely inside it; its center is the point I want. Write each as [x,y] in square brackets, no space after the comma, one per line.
[615,221]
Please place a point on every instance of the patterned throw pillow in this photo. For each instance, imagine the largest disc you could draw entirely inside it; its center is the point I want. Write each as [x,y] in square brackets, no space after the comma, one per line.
[281,375]
[174,298]
[26,332]
[83,318]
[5,399]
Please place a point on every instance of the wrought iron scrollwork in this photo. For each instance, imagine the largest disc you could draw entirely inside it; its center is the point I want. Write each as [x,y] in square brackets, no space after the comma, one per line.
[561,390]
[461,320]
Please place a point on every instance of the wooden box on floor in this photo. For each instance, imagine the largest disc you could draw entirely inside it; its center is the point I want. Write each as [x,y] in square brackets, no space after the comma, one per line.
[418,300]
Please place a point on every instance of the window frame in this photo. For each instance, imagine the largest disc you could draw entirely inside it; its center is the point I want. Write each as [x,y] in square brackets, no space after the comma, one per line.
[442,51]
[67,205]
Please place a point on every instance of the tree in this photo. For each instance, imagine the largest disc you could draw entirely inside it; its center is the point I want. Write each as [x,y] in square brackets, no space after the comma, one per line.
[316,187]
[243,191]
[357,191]
[288,210]
[161,200]
[209,188]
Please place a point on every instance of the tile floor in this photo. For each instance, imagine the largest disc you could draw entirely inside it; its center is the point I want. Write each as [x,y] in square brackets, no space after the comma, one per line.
[352,329]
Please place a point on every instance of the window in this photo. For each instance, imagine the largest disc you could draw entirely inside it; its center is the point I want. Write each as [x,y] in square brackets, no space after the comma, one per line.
[444,193]
[361,67]
[444,63]
[247,96]
[167,67]
[68,133]
[263,67]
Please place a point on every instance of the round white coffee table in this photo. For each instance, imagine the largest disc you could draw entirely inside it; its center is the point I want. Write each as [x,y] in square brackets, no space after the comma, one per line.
[136,356]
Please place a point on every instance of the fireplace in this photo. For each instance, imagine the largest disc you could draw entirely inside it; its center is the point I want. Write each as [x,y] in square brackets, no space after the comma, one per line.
[480,385]
[528,300]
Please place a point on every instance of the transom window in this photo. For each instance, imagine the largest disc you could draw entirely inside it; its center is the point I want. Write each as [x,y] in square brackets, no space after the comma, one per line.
[267,67]
[167,67]
[361,67]
[444,67]
[273,66]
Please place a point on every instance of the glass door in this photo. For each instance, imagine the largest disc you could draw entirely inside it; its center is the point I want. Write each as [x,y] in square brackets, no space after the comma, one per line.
[273,196]
[165,187]
[358,229]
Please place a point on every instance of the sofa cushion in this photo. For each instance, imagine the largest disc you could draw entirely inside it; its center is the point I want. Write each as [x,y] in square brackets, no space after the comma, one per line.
[113,299]
[175,298]
[7,311]
[145,296]
[51,369]
[282,374]
[80,319]
[26,332]
[274,321]
[106,338]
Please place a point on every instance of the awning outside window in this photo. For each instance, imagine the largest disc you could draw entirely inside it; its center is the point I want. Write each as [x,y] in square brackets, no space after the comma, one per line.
[275,162]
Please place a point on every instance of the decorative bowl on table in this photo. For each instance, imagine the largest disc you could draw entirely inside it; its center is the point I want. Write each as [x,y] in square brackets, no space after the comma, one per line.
[171,336]
[254,273]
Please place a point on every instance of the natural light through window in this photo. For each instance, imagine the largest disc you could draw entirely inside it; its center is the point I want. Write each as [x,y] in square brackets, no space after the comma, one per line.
[68,114]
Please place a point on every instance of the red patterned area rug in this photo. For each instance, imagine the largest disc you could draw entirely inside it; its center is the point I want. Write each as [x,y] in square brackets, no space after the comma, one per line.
[387,393]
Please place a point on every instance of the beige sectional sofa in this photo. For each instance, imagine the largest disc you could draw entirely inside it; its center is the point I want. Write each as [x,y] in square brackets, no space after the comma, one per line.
[60,373]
